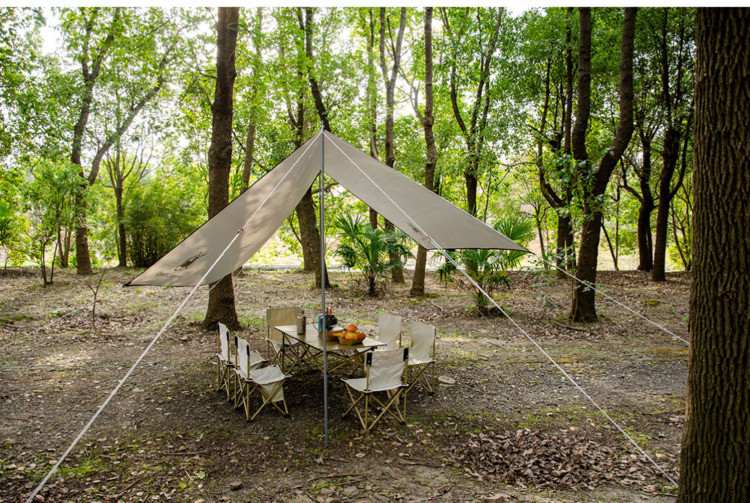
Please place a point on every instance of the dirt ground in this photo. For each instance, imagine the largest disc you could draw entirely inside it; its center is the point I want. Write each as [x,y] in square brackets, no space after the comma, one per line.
[510,428]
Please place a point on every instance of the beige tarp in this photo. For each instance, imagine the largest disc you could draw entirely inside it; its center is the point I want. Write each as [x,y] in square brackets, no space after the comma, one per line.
[257,213]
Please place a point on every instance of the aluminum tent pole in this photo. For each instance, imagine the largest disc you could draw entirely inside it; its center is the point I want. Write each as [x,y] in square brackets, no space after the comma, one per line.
[323,282]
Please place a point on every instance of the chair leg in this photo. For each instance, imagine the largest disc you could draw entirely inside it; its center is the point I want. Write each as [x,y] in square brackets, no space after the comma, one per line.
[386,407]
[268,398]
[353,406]
[229,382]
[218,374]
[420,376]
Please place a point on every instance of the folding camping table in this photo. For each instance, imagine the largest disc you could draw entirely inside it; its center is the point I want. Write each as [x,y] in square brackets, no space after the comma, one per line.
[313,342]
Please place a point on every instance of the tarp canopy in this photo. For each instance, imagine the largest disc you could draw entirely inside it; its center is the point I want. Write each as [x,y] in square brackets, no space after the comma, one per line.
[258,212]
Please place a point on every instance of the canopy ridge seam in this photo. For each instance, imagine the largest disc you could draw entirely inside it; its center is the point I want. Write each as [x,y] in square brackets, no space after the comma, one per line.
[547,355]
[155,339]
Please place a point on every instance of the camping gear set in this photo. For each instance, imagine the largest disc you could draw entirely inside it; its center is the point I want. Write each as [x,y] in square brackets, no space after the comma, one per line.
[254,216]
[426,217]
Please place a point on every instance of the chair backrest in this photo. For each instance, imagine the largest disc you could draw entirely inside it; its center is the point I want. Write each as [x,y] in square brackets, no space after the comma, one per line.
[254,358]
[243,355]
[280,316]
[389,329]
[224,342]
[423,341]
[385,369]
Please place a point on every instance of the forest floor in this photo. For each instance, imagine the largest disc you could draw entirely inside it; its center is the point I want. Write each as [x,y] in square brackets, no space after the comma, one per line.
[510,428]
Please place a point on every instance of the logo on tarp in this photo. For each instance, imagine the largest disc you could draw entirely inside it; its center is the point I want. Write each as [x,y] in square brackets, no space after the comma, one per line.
[188,262]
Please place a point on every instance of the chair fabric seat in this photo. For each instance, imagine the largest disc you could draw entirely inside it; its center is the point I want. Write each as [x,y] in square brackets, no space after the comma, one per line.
[267,375]
[360,384]
[268,379]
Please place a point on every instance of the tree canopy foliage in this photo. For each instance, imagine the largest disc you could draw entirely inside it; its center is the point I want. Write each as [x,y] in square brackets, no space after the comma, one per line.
[130,92]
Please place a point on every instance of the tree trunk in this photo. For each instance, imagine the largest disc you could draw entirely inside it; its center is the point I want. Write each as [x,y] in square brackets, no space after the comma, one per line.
[310,235]
[670,155]
[314,89]
[583,306]
[221,298]
[306,209]
[122,250]
[583,106]
[63,240]
[645,245]
[565,257]
[371,286]
[247,165]
[83,258]
[372,103]
[417,284]
[714,461]
[397,273]
[470,177]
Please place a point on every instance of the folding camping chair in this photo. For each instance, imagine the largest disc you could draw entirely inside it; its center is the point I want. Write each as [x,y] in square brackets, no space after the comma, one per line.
[389,332]
[269,382]
[389,329]
[422,357]
[278,349]
[246,360]
[225,361]
[384,371]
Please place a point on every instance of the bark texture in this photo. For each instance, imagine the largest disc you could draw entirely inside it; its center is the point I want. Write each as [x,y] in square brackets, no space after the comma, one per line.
[595,183]
[645,242]
[389,76]
[221,298]
[678,123]
[714,461]
[427,120]
[308,226]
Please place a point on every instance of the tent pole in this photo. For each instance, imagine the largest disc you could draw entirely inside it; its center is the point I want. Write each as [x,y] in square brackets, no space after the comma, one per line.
[323,282]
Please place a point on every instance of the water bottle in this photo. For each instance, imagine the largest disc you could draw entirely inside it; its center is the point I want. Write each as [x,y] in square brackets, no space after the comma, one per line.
[301,323]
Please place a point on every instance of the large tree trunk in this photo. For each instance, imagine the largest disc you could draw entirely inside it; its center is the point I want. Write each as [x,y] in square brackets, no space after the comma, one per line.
[305,209]
[310,236]
[583,306]
[417,284]
[221,298]
[83,257]
[397,273]
[714,460]
[306,217]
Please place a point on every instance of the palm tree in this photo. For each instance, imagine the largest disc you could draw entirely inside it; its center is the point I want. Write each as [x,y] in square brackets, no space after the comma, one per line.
[489,267]
[367,250]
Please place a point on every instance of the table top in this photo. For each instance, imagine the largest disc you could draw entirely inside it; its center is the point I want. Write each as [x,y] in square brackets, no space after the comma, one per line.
[313,338]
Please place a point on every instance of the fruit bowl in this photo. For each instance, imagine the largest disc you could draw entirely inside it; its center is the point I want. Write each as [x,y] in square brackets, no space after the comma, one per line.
[348,341]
